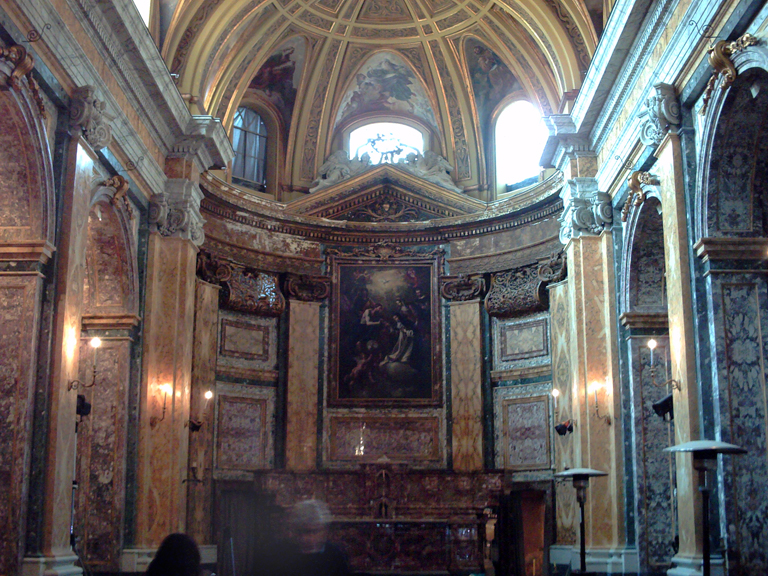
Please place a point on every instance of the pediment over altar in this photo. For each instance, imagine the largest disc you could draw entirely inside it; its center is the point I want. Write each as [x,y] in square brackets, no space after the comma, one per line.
[386,194]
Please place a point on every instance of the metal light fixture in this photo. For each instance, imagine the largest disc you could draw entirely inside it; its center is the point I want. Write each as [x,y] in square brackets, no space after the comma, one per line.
[652,344]
[704,453]
[166,389]
[75,384]
[580,478]
[664,408]
[594,387]
[564,428]
[195,425]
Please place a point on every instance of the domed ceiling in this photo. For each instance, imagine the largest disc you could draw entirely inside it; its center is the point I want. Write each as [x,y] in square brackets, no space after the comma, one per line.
[319,67]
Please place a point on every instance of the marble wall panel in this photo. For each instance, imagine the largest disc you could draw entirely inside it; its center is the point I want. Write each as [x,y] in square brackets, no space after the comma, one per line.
[566,510]
[21,174]
[201,443]
[19,311]
[741,340]
[521,342]
[466,386]
[247,346]
[655,474]
[101,454]
[302,385]
[398,439]
[245,427]
[522,423]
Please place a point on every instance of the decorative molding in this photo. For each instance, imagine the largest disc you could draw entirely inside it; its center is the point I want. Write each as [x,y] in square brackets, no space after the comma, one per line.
[386,251]
[120,185]
[586,211]
[109,321]
[636,195]
[252,292]
[15,64]
[662,111]
[650,320]
[731,249]
[462,288]
[176,212]
[554,269]
[87,114]
[388,208]
[308,288]
[521,372]
[516,292]
[574,34]
[720,59]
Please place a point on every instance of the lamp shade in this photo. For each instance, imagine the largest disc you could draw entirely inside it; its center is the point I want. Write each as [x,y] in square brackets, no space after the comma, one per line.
[706,449]
[578,473]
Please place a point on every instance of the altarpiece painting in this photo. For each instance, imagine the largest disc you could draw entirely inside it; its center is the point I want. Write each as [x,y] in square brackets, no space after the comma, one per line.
[386,347]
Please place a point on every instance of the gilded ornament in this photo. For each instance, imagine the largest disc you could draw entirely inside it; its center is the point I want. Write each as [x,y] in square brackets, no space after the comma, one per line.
[121,185]
[636,195]
[21,64]
[720,59]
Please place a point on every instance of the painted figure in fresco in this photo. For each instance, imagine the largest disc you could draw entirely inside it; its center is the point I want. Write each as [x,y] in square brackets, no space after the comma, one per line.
[491,80]
[275,81]
[386,87]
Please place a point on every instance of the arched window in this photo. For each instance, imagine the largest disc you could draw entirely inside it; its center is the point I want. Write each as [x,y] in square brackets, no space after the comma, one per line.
[385,142]
[249,139]
[520,139]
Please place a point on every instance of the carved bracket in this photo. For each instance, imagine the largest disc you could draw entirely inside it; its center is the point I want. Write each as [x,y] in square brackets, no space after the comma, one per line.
[554,269]
[308,288]
[720,59]
[636,195]
[585,209]
[243,289]
[462,288]
[176,212]
[120,185]
[87,114]
[662,110]
[16,64]
[516,292]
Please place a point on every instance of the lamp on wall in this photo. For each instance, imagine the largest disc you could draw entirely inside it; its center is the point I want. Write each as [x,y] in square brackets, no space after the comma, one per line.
[664,408]
[165,389]
[75,384]
[564,428]
[593,388]
[704,455]
[652,344]
[195,425]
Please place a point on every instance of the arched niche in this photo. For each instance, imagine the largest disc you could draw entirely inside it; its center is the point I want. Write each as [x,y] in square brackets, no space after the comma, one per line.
[732,179]
[110,308]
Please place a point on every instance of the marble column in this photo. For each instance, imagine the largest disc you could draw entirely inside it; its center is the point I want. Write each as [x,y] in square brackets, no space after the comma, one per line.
[57,556]
[668,170]
[302,385]
[595,390]
[466,385]
[165,395]
[200,469]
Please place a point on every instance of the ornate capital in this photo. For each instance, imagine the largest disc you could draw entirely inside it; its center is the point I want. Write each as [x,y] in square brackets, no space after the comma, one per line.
[554,269]
[585,209]
[176,212]
[720,59]
[308,288]
[462,287]
[636,195]
[662,111]
[16,65]
[211,269]
[516,292]
[87,114]
[252,292]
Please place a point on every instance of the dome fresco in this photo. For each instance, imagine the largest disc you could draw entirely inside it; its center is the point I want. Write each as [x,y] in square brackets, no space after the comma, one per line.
[322,66]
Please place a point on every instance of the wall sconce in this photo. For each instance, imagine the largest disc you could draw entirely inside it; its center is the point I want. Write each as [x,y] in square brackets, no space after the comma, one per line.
[671,382]
[165,389]
[664,408]
[195,425]
[75,384]
[555,395]
[564,427]
[594,387]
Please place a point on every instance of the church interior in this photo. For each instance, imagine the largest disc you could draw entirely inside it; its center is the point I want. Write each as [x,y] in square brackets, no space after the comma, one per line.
[465,270]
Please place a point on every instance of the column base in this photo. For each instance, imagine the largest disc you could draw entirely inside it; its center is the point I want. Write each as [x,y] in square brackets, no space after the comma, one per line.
[599,560]
[692,566]
[57,565]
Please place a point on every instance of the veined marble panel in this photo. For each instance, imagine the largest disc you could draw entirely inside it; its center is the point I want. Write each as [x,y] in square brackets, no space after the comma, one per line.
[522,422]
[521,342]
[396,438]
[247,346]
[245,424]
[466,382]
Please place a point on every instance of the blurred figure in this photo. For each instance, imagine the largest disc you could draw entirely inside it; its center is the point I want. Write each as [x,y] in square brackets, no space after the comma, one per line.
[307,552]
[178,555]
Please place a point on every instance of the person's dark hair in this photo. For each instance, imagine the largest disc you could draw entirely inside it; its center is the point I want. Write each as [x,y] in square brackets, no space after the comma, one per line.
[178,555]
